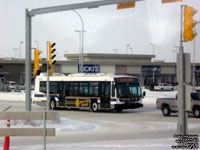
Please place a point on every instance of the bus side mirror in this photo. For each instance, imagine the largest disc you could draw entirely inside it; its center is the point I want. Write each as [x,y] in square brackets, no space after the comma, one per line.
[144,94]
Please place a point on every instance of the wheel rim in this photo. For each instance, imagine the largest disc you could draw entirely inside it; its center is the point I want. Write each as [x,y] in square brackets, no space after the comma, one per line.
[94,106]
[52,104]
[197,113]
[165,111]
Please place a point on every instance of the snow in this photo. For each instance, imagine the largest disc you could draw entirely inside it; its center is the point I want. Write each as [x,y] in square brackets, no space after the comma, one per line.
[161,144]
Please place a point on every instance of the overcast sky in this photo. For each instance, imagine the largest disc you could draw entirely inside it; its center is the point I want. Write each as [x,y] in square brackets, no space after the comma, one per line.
[106,28]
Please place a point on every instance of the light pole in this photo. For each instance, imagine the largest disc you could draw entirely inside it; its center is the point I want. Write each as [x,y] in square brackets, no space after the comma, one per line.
[131,50]
[15,49]
[177,48]
[81,42]
[127,48]
[20,49]
[115,50]
[80,51]
[174,52]
[153,45]
[37,44]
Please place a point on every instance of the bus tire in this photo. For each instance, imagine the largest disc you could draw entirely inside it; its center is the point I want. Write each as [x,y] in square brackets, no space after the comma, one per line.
[119,110]
[94,107]
[52,104]
[196,112]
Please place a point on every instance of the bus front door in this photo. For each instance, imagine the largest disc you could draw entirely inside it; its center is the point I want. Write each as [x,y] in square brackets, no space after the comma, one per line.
[105,94]
[62,93]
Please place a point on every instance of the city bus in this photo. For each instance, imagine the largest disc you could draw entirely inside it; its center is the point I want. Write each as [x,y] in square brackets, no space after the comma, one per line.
[90,91]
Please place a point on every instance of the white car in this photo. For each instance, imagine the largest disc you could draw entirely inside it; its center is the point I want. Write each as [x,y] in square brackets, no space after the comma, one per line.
[12,85]
[163,87]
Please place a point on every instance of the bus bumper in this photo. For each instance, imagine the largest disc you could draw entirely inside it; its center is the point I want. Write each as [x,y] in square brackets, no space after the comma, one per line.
[128,106]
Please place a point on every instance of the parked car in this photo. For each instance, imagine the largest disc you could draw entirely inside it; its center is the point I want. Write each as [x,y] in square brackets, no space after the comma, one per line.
[163,87]
[12,85]
[169,105]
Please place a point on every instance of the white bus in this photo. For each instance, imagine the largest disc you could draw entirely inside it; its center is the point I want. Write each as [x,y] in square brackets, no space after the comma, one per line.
[90,91]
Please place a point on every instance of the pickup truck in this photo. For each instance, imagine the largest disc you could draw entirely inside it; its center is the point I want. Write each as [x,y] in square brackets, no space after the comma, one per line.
[169,105]
[163,87]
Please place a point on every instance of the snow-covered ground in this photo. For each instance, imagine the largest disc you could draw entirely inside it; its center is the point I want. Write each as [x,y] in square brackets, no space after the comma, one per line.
[65,126]
[154,144]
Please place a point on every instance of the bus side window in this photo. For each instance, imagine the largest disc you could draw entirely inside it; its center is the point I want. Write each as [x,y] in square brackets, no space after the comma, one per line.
[53,88]
[94,89]
[73,89]
[43,86]
[83,89]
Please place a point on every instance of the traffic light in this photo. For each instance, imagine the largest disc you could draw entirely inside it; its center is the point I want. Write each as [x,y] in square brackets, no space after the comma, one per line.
[51,56]
[126,5]
[37,64]
[189,23]
[170,1]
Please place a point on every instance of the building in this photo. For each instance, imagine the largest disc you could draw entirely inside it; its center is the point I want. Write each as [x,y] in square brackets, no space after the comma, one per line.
[141,66]
[137,65]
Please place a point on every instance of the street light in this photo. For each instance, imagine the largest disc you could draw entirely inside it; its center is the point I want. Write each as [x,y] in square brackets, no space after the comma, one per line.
[153,47]
[174,51]
[20,49]
[81,42]
[115,50]
[127,48]
[37,44]
[15,49]
[131,50]
[80,51]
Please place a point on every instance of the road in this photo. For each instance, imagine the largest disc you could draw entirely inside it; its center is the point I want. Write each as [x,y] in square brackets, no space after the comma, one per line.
[145,123]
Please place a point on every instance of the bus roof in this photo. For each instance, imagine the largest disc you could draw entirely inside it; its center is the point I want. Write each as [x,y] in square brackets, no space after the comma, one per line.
[83,77]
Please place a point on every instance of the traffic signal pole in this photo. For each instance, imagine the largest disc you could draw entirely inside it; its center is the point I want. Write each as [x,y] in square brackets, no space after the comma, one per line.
[47,104]
[182,114]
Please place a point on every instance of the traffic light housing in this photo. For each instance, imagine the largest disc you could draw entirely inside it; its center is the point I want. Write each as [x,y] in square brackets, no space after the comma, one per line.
[37,64]
[189,23]
[126,5]
[51,51]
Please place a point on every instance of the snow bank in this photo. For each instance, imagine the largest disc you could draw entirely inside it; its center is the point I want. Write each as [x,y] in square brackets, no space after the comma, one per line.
[63,127]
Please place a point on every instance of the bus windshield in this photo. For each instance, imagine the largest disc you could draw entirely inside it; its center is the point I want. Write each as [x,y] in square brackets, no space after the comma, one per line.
[126,90]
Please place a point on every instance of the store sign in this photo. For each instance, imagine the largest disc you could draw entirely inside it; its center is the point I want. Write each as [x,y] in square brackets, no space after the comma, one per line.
[87,68]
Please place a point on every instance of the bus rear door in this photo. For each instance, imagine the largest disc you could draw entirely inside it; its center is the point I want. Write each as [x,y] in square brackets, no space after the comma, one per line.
[62,93]
[105,94]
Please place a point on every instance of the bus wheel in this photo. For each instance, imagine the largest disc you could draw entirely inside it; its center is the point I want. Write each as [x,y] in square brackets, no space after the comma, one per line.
[95,107]
[53,104]
[196,112]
